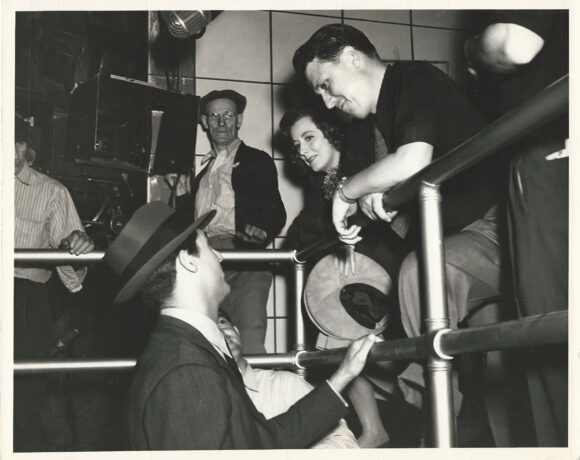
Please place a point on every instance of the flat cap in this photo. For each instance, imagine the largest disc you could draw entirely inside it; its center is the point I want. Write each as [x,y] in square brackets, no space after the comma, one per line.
[238,99]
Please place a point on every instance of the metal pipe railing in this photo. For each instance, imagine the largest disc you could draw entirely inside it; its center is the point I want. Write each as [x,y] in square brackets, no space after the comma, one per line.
[547,329]
[439,343]
[438,373]
[536,111]
[63,257]
[538,330]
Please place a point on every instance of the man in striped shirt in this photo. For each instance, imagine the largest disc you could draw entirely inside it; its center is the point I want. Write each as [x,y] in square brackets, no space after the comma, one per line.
[44,217]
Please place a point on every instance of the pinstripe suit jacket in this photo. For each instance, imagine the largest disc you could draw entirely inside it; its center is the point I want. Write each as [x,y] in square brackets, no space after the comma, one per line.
[184,396]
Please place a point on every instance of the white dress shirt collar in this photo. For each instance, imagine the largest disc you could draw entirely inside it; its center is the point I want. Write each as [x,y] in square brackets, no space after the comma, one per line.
[204,324]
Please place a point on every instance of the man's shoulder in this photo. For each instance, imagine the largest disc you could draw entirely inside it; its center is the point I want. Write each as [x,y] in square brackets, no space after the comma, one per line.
[41,179]
[413,72]
[248,151]
[171,348]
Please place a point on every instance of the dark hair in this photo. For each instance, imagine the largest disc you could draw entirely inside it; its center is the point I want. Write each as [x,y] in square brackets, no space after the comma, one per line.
[327,42]
[223,314]
[160,284]
[325,120]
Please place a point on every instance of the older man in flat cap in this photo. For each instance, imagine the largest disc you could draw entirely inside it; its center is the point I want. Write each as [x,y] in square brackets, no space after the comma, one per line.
[241,184]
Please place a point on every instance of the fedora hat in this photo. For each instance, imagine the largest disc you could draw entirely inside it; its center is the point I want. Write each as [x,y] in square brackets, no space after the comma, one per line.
[154,231]
[230,94]
[349,306]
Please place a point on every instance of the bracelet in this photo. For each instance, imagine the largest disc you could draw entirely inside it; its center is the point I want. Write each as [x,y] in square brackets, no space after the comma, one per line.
[341,194]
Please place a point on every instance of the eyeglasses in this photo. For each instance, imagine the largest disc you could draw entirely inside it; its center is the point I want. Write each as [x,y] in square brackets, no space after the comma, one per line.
[226,116]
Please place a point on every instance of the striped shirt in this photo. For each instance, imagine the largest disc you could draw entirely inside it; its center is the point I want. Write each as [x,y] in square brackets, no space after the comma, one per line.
[273,392]
[44,214]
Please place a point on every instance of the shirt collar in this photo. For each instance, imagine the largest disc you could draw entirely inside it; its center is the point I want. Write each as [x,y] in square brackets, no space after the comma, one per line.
[230,149]
[204,324]
[25,176]
[250,378]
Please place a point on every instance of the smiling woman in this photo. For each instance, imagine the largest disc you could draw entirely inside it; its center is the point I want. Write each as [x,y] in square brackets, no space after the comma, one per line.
[312,146]
[318,144]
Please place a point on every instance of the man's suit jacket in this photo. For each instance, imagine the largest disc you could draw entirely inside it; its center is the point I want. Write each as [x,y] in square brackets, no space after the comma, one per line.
[257,198]
[184,396]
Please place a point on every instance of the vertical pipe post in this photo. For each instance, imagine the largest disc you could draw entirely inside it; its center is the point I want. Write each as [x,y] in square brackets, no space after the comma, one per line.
[438,369]
[300,338]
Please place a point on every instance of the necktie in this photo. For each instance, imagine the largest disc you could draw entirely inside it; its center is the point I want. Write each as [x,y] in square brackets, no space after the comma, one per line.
[232,363]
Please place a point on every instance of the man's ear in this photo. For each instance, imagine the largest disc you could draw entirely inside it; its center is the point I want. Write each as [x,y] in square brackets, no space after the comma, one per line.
[187,261]
[203,120]
[239,118]
[351,56]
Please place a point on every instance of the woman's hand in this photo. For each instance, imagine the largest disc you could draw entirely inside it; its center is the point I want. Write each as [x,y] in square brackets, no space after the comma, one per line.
[341,211]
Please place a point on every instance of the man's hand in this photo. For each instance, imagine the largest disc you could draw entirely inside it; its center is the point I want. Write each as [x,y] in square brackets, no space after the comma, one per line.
[252,234]
[372,206]
[341,211]
[344,259]
[77,243]
[353,362]
[177,182]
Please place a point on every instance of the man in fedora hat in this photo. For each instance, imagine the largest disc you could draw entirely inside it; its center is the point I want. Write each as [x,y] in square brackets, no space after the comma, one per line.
[187,392]
[241,184]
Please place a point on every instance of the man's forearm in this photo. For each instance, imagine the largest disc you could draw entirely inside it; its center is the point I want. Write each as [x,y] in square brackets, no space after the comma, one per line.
[389,171]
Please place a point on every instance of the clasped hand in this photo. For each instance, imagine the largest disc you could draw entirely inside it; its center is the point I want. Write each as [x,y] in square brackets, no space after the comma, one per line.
[252,234]
[77,243]
[371,205]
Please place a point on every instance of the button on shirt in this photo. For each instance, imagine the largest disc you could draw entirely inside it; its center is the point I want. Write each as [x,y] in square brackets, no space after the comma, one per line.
[216,191]
[44,214]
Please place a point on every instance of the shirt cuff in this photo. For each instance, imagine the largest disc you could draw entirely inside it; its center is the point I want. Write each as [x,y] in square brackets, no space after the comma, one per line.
[337,393]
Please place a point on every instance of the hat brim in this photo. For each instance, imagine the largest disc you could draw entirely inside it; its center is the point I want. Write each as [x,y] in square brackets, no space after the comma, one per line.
[154,255]
[322,295]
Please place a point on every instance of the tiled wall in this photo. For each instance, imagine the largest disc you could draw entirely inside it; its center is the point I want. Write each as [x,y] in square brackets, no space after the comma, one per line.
[251,52]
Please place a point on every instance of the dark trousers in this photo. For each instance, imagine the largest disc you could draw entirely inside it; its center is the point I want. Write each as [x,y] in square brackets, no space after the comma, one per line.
[33,339]
[538,212]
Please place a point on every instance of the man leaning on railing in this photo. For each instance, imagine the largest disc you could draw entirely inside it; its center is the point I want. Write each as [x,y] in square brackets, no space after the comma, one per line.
[44,217]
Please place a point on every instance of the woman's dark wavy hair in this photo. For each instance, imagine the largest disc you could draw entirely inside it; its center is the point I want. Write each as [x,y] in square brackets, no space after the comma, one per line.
[325,120]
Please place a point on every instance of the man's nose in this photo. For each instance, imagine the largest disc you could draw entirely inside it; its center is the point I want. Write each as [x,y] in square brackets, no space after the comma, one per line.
[329,101]
[221,120]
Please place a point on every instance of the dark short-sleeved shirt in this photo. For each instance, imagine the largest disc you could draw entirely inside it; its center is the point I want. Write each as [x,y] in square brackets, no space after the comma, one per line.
[420,103]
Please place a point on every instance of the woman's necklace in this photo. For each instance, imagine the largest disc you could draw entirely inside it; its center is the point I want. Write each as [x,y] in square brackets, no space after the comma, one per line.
[330,183]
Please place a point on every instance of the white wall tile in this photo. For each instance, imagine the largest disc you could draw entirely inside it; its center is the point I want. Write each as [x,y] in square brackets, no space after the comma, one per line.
[441,45]
[289,31]
[333,13]
[270,308]
[291,192]
[236,45]
[270,341]
[391,41]
[283,284]
[455,19]
[282,336]
[402,16]
[256,130]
